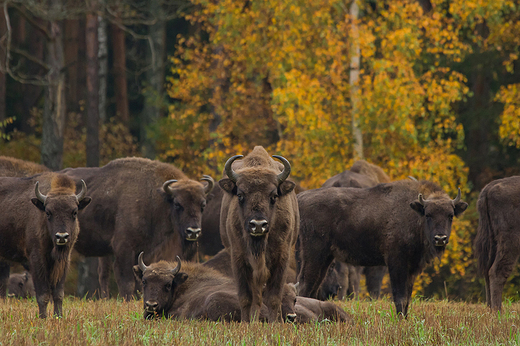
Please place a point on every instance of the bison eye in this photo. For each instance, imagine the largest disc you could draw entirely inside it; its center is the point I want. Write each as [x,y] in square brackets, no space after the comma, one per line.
[144,282]
[178,207]
[450,217]
[168,286]
[74,214]
[240,198]
[48,213]
[203,206]
[273,199]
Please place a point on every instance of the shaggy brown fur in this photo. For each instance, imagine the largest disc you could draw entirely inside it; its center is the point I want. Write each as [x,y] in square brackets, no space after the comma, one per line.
[255,194]
[403,225]
[497,244]
[31,231]
[131,212]
[11,167]
[313,310]
[195,292]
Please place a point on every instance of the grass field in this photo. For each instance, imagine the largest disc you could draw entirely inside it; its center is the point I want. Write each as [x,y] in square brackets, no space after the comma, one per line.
[114,322]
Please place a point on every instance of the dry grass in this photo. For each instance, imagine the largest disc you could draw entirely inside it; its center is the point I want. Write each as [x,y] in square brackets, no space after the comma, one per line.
[373,323]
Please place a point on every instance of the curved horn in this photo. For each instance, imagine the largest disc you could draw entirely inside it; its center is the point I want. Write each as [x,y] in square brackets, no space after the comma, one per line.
[229,171]
[142,266]
[421,200]
[286,169]
[457,199]
[178,267]
[412,178]
[210,185]
[39,195]
[83,191]
[167,184]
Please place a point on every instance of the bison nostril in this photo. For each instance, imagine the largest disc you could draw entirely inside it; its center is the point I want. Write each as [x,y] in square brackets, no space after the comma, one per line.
[62,238]
[151,304]
[258,226]
[291,317]
[192,233]
[441,237]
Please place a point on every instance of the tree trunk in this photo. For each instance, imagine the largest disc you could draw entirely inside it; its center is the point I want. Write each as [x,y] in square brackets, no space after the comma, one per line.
[3,31]
[355,55]
[54,110]
[92,106]
[103,68]
[154,78]
[71,61]
[120,86]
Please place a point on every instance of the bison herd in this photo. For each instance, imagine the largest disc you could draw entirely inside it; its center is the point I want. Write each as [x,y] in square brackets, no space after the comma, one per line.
[276,249]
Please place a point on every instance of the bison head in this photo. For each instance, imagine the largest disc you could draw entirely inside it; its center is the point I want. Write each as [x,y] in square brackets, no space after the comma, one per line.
[21,286]
[330,285]
[257,191]
[288,302]
[438,212]
[188,199]
[160,282]
[61,211]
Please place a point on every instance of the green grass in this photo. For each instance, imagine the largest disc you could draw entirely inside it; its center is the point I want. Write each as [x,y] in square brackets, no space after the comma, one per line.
[114,322]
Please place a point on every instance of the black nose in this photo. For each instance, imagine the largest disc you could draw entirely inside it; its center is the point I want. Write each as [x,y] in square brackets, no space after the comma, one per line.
[192,233]
[61,238]
[258,227]
[291,317]
[151,304]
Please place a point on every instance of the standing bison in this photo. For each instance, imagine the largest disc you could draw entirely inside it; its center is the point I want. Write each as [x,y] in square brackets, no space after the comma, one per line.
[138,205]
[38,228]
[260,217]
[403,225]
[497,244]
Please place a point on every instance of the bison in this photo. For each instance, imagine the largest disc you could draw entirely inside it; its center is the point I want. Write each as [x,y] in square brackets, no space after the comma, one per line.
[313,310]
[138,205]
[362,175]
[196,292]
[497,244]
[11,167]
[260,217]
[403,225]
[21,285]
[39,228]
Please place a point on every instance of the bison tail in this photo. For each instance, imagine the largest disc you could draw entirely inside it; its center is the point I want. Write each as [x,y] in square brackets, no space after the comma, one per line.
[484,249]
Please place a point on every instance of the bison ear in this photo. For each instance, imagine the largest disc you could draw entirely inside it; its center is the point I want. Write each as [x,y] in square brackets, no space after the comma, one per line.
[39,204]
[180,278]
[84,202]
[418,207]
[286,187]
[138,272]
[460,207]
[228,185]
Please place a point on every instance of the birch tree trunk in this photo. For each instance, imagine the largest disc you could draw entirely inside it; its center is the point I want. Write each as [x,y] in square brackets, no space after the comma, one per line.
[55,109]
[355,57]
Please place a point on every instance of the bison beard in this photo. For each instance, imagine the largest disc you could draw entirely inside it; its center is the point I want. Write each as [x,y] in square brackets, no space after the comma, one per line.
[389,224]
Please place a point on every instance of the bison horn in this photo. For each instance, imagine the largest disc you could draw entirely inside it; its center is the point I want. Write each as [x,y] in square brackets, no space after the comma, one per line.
[178,267]
[457,199]
[421,200]
[167,184]
[286,169]
[229,170]
[39,195]
[142,266]
[83,191]
[210,185]
[412,178]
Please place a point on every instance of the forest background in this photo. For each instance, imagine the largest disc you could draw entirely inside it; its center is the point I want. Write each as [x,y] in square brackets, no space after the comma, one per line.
[422,88]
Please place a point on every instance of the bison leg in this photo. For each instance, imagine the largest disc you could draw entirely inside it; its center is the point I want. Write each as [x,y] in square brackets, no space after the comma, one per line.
[124,276]
[242,273]
[57,296]
[374,279]
[399,280]
[315,265]
[274,291]
[103,274]
[4,278]
[505,259]
[353,281]
[43,294]
[488,288]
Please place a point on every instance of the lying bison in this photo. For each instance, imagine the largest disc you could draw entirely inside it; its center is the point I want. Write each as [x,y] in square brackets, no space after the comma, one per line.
[138,205]
[403,225]
[39,228]
[196,292]
[497,244]
[21,285]
[260,217]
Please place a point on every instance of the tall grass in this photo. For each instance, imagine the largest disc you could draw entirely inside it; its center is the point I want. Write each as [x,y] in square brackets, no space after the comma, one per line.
[114,322]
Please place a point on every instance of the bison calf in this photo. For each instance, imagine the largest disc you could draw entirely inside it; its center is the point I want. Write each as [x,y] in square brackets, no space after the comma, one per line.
[21,285]
[403,225]
[39,229]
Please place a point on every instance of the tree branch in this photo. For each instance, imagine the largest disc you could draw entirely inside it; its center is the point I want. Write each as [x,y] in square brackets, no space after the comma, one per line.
[33,22]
